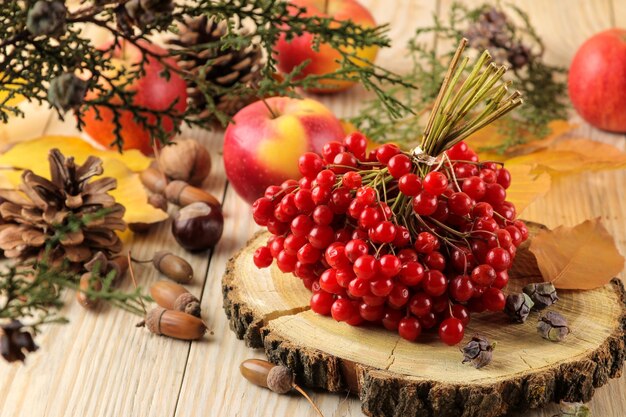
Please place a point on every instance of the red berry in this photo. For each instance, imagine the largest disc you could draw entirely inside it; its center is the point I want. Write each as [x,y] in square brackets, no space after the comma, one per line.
[384,232]
[335,255]
[451,331]
[326,178]
[391,319]
[308,254]
[495,194]
[310,164]
[426,242]
[371,313]
[322,215]
[303,200]
[356,142]
[504,177]
[321,302]
[399,296]
[365,267]
[435,260]
[483,275]
[488,175]
[499,259]
[369,217]
[355,208]
[328,282]
[358,287]
[435,183]
[460,204]
[286,262]
[461,288]
[320,194]
[366,195]
[340,200]
[330,149]
[293,244]
[474,187]
[493,299]
[344,162]
[343,309]
[403,237]
[374,300]
[306,183]
[262,257]
[344,276]
[399,165]
[381,287]
[435,283]
[272,191]
[389,265]
[301,225]
[410,184]
[262,210]
[460,312]
[411,273]
[482,210]
[409,328]
[421,304]
[424,203]
[321,236]
[356,248]
[502,278]
[522,229]
[428,321]
[352,180]
[386,151]
[458,151]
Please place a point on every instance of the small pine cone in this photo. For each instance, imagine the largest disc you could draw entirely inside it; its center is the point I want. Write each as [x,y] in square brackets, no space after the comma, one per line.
[478,351]
[553,326]
[141,13]
[223,68]
[518,306]
[67,91]
[542,294]
[47,18]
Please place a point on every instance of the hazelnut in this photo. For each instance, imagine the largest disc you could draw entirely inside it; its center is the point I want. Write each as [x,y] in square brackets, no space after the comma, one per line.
[198,226]
[185,160]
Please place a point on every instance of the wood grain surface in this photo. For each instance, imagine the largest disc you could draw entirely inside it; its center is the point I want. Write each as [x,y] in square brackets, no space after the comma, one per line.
[100,365]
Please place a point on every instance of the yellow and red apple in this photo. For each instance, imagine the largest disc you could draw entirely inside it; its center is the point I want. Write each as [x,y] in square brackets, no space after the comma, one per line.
[291,53]
[153,91]
[265,139]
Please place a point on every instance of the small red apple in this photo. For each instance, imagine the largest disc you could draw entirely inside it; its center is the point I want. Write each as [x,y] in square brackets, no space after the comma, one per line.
[262,147]
[597,80]
[154,92]
[294,52]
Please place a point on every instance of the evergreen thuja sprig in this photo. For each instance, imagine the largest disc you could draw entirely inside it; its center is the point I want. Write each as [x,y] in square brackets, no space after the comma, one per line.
[517,46]
[39,44]
[31,291]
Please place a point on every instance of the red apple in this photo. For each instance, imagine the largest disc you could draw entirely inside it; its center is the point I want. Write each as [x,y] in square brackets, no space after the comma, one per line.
[597,80]
[261,148]
[154,92]
[294,52]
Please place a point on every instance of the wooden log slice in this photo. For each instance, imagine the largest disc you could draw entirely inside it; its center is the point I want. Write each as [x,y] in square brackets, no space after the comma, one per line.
[394,377]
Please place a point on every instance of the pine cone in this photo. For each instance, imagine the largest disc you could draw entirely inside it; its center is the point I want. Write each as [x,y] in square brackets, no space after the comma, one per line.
[220,67]
[34,214]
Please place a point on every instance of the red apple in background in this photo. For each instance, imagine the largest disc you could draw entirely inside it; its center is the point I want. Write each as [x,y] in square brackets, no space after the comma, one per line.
[154,92]
[294,52]
[597,80]
[262,147]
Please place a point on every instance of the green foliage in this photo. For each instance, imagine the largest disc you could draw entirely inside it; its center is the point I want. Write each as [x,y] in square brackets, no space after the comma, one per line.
[28,63]
[541,85]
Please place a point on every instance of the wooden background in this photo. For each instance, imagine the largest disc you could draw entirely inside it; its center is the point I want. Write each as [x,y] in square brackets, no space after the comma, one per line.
[100,365]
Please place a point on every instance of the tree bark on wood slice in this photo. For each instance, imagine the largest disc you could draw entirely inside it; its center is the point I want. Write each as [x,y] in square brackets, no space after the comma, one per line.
[394,377]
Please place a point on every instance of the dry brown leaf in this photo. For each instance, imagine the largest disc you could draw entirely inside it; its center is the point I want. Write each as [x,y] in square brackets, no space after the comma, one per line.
[582,257]
[526,186]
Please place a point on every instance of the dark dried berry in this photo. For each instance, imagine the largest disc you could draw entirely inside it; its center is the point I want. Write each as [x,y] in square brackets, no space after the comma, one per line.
[14,341]
[67,92]
[47,18]
[553,326]
[518,306]
[542,294]
[478,351]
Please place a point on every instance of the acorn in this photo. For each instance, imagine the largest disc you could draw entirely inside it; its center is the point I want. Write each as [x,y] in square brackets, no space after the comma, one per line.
[154,180]
[175,297]
[277,378]
[183,194]
[185,160]
[198,226]
[172,266]
[87,283]
[175,324]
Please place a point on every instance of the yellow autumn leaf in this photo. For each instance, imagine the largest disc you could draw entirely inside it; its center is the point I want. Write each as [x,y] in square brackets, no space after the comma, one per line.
[574,156]
[130,192]
[526,186]
[577,258]
[37,151]
[489,137]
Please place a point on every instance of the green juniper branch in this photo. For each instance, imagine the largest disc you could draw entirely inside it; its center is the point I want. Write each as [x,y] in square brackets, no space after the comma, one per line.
[29,62]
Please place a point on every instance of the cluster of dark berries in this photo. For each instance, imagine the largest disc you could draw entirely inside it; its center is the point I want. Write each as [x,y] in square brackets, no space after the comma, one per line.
[394,238]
